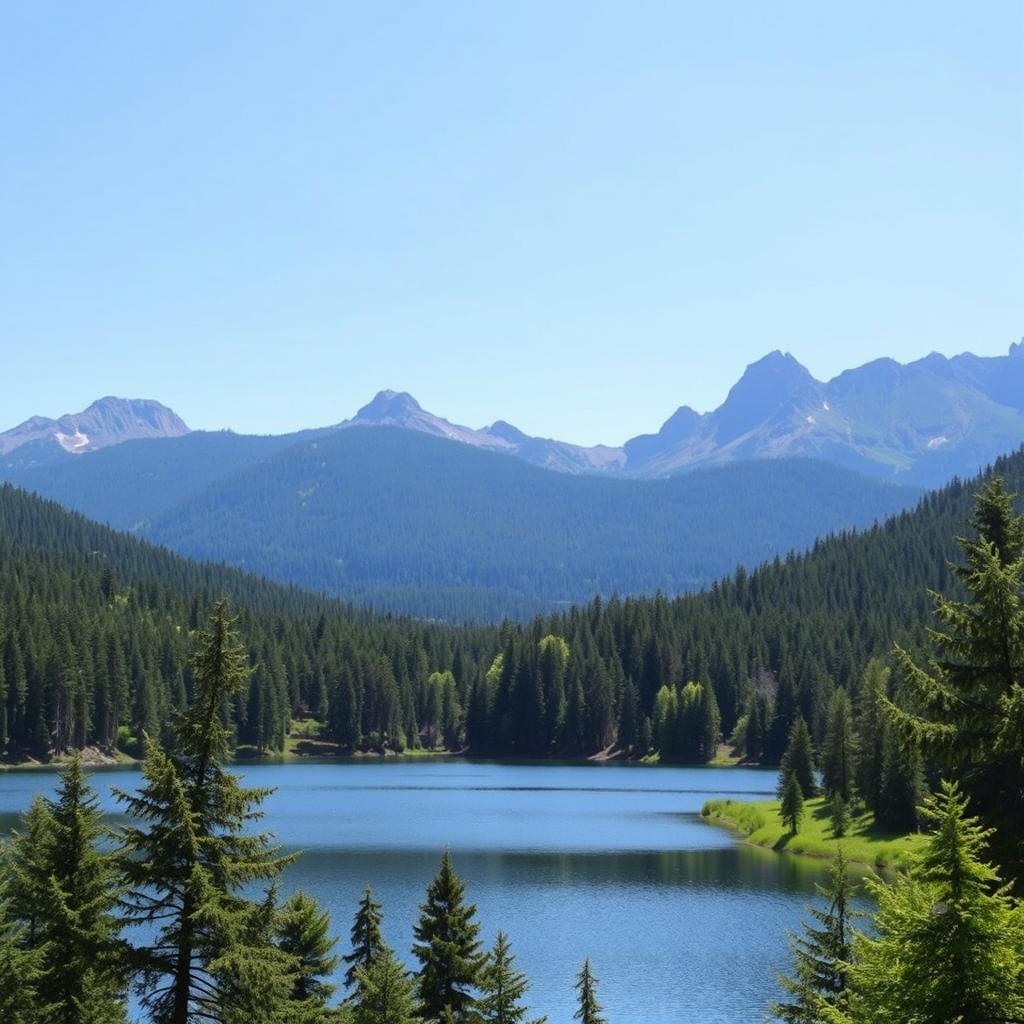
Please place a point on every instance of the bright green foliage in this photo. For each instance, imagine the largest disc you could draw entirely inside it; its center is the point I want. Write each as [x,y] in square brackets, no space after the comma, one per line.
[366,938]
[971,695]
[189,850]
[792,809]
[949,941]
[589,1009]
[821,955]
[686,723]
[502,988]
[385,994]
[798,760]
[838,754]
[447,947]
[28,859]
[75,925]
[302,932]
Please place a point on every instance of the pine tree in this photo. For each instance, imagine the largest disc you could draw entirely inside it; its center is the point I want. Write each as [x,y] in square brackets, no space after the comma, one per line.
[840,814]
[502,988]
[188,852]
[302,932]
[971,695]
[366,936]
[447,947]
[821,954]
[589,1009]
[948,939]
[798,760]
[872,726]
[21,971]
[902,784]
[28,858]
[84,960]
[838,756]
[792,809]
[385,994]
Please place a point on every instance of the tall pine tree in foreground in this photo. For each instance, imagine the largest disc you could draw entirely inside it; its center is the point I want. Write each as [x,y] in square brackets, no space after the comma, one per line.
[821,955]
[967,705]
[21,971]
[503,988]
[447,948]
[366,937]
[948,942]
[588,1009]
[83,958]
[187,853]
[302,932]
[385,994]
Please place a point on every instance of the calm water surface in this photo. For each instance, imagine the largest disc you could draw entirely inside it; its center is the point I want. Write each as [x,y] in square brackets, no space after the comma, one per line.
[613,862]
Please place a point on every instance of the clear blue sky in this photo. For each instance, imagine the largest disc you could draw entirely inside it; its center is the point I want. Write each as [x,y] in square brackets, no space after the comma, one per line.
[574,216]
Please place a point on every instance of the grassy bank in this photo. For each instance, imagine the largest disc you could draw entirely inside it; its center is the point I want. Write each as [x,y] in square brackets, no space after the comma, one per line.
[864,842]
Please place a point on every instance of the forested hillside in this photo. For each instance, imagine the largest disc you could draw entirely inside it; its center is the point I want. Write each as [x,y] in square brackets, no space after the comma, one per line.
[417,524]
[421,525]
[94,635]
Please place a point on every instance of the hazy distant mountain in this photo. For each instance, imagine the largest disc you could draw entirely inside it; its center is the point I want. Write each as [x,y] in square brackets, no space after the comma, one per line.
[919,423]
[108,421]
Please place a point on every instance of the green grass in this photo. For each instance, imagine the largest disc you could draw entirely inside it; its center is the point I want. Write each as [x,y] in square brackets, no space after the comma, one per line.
[864,842]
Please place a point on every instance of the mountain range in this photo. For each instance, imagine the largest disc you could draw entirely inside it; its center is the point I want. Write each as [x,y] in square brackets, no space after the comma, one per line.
[918,423]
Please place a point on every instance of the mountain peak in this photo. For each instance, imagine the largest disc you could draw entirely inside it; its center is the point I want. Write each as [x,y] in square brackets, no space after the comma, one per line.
[389,406]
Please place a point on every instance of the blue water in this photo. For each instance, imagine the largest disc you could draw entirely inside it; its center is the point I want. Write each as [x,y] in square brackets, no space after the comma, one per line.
[611,862]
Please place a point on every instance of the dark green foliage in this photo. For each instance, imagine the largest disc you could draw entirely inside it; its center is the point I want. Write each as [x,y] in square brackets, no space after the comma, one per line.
[385,994]
[967,707]
[366,937]
[21,971]
[188,852]
[792,809]
[948,941]
[589,1009]
[840,814]
[302,932]
[838,753]
[447,948]
[502,988]
[798,761]
[821,955]
[902,785]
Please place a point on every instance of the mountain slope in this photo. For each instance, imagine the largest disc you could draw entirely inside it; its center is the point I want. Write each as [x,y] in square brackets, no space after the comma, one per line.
[420,524]
[108,421]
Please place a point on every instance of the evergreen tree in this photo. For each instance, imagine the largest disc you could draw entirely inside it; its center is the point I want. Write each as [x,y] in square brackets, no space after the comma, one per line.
[798,760]
[303,934]
[838,756]
[447,947]
[589,1009]
[971,695]
[792,809]
[83,961]
[366,937]
[28,858]
[21,972]
[821,955]
[502,988]
[902,784]
[840,814]
[872,726]
[948,939]
[385,994]
[188,852]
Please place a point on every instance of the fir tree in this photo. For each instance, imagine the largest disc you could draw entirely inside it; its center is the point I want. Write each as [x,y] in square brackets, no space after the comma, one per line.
[447,947]
[502,988]
[28,858]
[840,814]
[798,760]
[366,937]
[303,933]
[385,994]
[971,695]
[189,851]
[21,971]
[792,809]
[589,1009]
[948,939]
[83,960]
[820,955]
[838,757]
[872,726]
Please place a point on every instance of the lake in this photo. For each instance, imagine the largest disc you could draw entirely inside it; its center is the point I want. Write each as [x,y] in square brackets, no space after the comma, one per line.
[611,862]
